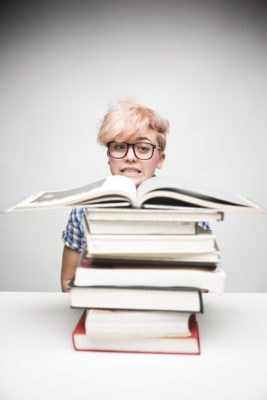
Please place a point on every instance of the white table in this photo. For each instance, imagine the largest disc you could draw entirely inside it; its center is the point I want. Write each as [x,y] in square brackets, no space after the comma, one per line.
[37,360]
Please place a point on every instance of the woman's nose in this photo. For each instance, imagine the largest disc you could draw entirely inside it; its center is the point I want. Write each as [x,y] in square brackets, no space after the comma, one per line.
[130,154]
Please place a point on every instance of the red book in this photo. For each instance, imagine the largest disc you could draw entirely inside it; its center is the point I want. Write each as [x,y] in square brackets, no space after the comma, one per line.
[137,344]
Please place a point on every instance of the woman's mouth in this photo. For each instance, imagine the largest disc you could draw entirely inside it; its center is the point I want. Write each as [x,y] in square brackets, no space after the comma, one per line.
[130,172]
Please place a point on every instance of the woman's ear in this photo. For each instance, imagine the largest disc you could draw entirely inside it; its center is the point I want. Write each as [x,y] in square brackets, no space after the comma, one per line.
[161,160]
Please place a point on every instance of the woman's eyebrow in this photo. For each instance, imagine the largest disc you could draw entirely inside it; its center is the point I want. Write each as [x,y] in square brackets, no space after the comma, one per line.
[143,138]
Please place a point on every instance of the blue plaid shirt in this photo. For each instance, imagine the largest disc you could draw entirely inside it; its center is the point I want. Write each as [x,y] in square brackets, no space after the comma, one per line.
[73,235]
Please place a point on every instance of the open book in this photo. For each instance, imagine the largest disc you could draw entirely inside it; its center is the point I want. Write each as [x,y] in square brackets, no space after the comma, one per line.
[156,192]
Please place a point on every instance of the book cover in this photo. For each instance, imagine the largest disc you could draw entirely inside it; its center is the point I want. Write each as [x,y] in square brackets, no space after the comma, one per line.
[156,345]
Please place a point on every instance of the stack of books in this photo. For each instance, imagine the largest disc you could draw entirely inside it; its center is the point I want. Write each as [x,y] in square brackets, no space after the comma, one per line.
[140,279]
[146,261]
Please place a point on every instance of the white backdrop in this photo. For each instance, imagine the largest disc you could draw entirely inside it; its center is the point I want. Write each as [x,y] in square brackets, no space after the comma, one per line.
[202,65]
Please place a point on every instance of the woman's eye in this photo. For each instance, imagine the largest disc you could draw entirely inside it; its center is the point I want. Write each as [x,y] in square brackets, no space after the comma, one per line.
[143,149]
[119,147]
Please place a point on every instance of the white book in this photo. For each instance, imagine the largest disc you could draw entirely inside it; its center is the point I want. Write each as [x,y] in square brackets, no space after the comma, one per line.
[209,280]
[208,260]
[121,323]
[82,341]
[146,221]
[150,245]
[143,298]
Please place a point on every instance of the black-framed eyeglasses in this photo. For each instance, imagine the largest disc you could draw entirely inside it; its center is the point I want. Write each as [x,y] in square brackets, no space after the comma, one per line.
[142,150]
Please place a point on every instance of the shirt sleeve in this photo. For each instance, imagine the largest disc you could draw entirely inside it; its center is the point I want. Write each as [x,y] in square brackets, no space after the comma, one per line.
[73,235]
[205,225]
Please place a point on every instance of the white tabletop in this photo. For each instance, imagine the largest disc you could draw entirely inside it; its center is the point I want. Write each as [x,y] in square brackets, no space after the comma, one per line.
[37,360]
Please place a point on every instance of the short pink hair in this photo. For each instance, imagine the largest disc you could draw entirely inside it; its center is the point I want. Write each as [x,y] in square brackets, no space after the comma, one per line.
[128,118]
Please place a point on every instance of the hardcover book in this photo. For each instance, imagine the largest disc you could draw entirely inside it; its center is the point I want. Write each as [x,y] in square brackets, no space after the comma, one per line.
[150,245]
[138,344]
[145,221]
[185,299]
[89,274]
[104,322]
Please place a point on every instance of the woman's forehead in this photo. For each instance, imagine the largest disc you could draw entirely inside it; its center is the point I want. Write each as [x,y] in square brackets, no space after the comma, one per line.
[136,137]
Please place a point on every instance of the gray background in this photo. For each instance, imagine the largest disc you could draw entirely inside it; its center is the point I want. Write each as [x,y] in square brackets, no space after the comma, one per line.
[200,64]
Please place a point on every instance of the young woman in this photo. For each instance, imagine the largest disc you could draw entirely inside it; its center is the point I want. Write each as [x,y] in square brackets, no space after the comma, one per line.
[135,138]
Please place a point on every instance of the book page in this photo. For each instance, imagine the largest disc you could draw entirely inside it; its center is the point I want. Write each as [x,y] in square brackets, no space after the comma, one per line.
[120,185]
[112,188]
[175,185]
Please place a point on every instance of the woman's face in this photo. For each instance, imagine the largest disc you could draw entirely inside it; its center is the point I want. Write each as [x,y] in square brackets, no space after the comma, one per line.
[134,168]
